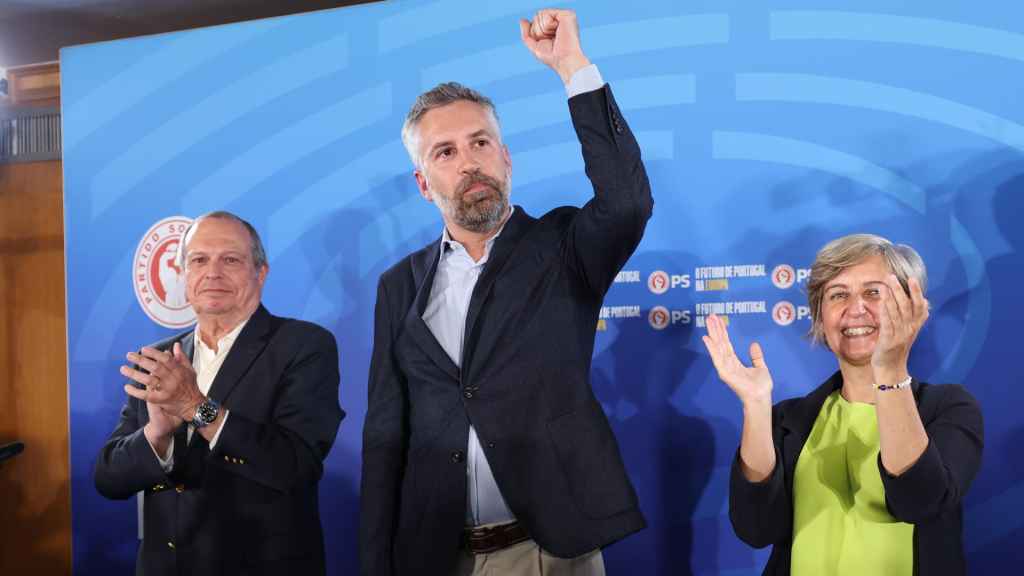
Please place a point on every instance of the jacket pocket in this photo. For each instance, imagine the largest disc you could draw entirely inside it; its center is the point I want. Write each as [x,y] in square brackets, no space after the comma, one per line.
[590,459]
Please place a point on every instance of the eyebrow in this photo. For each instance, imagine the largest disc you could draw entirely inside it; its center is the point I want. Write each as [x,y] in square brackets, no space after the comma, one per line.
[231,252]
[477,134]
[841,285]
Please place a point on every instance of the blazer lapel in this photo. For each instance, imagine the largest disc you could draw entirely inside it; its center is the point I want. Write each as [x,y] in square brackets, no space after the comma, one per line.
[250,343]
[502,249]
[424,267]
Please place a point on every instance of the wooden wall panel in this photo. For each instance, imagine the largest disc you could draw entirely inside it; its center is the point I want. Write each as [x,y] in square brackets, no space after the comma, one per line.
[35,536]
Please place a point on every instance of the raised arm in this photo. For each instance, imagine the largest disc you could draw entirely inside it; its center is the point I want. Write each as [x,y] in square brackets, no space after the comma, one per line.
[753,386]
[606,231]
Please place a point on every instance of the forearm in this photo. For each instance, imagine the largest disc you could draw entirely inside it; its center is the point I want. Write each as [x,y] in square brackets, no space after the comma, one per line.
[901,434]
[126,465]
[937,481]
[161,442]
[267,454]
[757,451]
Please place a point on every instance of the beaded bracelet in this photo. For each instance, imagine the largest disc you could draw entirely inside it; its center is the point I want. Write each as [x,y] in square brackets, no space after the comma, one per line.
[896,386]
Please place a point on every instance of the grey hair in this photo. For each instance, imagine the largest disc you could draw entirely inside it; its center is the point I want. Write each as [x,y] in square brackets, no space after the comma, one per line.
[259,255]
[842,253]
[441,95]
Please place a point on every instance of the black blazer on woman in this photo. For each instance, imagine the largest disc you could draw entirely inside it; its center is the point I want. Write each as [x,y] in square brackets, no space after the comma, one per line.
[928,495]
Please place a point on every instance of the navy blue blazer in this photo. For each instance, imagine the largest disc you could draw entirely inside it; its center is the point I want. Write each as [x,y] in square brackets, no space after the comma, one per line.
[250,505]
[524,383]
[929,495]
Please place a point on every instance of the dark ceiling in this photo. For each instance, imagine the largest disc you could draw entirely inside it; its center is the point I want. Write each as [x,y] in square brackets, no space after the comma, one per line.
[32,31]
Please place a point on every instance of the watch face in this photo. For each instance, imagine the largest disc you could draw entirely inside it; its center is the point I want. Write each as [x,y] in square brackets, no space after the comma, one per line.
[206,413]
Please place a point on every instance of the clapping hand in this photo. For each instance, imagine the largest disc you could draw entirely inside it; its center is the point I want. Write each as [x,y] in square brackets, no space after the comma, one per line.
[169,378]
[900,320]
[752,384]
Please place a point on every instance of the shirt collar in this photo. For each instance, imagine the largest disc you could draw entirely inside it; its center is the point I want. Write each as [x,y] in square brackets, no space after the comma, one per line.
[225,341]
[449,245]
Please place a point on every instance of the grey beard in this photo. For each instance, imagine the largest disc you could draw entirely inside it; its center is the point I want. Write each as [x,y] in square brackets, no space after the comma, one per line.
[483,216]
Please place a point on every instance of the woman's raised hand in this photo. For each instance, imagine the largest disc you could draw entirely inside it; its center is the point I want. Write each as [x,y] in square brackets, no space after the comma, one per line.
[752,384]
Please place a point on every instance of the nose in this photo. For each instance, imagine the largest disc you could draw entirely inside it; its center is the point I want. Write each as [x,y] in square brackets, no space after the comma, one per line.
[215,269]
[469,162]
[858,306]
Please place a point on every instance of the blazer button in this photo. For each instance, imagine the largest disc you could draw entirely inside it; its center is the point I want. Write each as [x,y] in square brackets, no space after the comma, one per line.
[467,394]
[457,456]
[170,545]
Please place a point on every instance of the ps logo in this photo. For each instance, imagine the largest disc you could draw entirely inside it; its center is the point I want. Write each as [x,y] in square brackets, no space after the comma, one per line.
[784,313]
[659,317]
[658,282]
[783,276]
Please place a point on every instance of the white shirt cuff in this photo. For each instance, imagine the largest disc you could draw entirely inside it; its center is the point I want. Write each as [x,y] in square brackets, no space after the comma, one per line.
[167,464]
[213,441]
[586,79]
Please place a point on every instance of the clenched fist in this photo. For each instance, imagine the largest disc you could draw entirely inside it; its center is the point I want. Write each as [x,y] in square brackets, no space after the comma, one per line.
[554,38]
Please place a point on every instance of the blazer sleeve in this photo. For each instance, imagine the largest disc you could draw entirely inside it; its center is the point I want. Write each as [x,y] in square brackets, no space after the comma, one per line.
[761,512]
[385,438]
[290,448]
[127,463]
[938,481]
[606,231]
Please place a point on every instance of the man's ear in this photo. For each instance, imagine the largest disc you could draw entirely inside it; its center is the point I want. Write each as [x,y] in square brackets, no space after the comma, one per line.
[421,183]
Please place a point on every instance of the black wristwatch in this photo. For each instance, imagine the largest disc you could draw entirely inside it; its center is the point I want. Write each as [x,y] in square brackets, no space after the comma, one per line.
[206,413]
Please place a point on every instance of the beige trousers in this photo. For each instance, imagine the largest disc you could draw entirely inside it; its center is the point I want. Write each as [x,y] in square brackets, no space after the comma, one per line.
[527,559]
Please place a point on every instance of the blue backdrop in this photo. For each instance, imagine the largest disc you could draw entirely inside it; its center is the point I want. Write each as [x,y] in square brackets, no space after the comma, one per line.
[767,130]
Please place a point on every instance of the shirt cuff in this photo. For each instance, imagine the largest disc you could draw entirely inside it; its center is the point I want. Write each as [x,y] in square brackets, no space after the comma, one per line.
[167,464]
[213,441]
[586,79]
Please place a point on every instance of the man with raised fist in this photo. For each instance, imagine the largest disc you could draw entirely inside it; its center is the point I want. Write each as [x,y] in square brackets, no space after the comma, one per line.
[484,449]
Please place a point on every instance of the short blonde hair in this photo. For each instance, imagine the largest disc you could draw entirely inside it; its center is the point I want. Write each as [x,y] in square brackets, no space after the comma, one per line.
[842,253]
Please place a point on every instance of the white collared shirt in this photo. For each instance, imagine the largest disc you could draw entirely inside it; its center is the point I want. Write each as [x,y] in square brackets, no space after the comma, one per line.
[445,315]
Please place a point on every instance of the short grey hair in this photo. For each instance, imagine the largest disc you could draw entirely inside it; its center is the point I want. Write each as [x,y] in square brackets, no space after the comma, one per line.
[842,253]
[259,255]
[441,95]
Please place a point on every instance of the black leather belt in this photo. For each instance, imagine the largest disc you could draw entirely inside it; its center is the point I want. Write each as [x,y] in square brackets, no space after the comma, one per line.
[484,540]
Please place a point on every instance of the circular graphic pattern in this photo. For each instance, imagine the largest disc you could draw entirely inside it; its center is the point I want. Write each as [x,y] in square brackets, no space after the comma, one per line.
[783,276]
[659,317]
[158,280]
[658,282]
[784,313]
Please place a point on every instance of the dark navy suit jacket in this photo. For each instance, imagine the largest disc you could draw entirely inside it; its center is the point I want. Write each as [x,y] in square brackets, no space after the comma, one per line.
[250,505]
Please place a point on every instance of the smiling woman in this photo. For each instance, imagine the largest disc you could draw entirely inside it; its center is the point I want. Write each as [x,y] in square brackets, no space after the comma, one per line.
[874,463]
